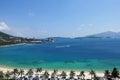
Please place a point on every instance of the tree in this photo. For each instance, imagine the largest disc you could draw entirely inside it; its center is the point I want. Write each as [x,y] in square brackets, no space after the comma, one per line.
[115,73]
[15,71]
[1,75]
[21,72]
[55,71]
[39,70]
[30,73]
[63,75]
[54,74]
[81,75]
[107,74]
[46,75]
[93,75]
[72,74]
[7,75]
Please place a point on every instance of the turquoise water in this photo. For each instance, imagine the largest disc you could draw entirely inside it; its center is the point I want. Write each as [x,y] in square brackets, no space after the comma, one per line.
[65,54]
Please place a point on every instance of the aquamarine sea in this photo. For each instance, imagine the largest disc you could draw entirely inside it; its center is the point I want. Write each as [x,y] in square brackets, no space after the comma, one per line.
[64,54]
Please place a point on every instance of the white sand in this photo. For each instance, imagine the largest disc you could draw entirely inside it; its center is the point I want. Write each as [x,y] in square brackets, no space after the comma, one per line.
[87,75]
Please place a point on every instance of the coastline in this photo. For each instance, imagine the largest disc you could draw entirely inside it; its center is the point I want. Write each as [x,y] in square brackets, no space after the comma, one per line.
[87,75]
[13,45]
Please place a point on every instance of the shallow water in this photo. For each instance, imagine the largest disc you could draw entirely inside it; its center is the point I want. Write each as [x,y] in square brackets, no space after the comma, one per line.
[76,54]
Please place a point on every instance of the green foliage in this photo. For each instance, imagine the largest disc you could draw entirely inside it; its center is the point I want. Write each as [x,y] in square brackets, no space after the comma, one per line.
[39,70]
[63,75]
[21,72]
[7,75]
[72,74]
[46,75]
[6,39]
[115,73]
[107,73]
[1,75]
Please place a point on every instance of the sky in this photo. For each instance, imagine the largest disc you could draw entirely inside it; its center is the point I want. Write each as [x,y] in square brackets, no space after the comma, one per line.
[59,18]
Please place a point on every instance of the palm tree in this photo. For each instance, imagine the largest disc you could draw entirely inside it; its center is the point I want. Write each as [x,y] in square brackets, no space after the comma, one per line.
[1,75]
[93,74]
[46,75]
[30,73]
[55,71]
[7,75]
[63,75]
[15,73]
[72,74]
[39,70]
[54,74]
[115,73]
[21,73]
[82,75]
[107,74]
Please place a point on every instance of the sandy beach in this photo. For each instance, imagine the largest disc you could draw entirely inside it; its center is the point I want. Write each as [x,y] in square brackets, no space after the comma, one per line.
[87,75]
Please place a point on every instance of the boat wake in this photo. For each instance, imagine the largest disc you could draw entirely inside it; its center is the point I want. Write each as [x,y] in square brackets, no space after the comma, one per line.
[64,46]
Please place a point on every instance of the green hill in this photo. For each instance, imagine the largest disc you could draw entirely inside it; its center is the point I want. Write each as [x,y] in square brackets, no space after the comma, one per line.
[4,34]
[6,39]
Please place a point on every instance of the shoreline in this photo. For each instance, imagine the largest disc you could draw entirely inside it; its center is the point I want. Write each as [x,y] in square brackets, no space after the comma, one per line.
[11,68]
[13,45]
[27,68]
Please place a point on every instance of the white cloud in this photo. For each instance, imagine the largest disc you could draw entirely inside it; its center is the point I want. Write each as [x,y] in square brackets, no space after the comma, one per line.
[4,26]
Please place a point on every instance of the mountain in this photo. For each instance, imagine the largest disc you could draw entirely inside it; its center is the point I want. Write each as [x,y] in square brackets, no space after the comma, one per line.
[6,39]
[4,34]
[108,34]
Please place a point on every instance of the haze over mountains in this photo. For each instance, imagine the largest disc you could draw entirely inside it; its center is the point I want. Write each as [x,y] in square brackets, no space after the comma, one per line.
[108,34]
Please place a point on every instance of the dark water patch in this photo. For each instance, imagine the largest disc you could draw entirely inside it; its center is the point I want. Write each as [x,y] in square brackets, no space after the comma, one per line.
[83,60]
[69,61]
[89,65]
